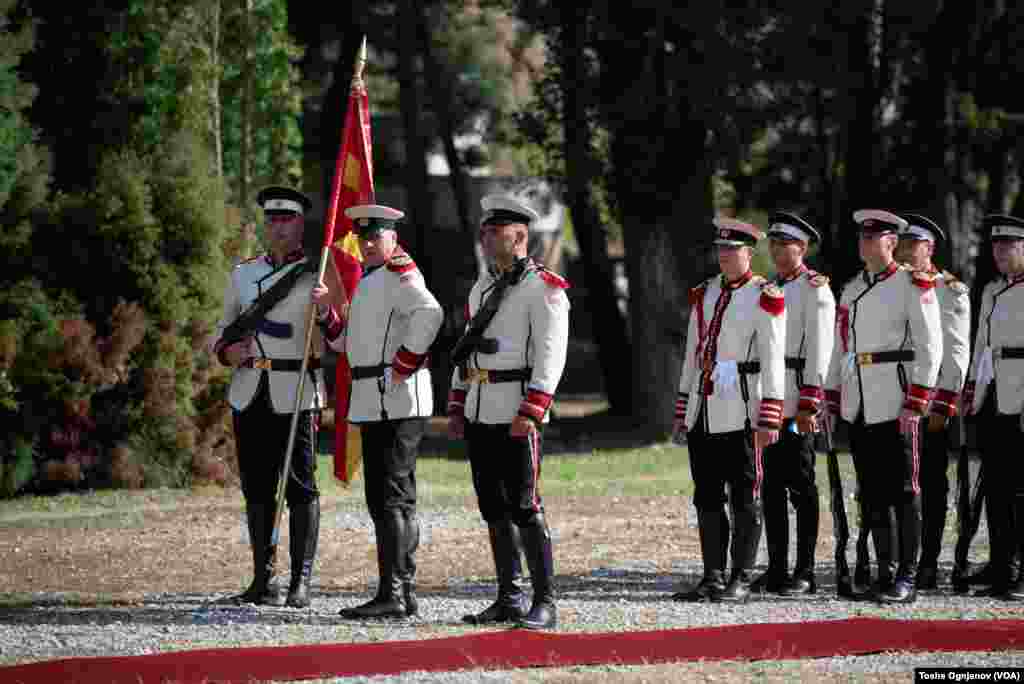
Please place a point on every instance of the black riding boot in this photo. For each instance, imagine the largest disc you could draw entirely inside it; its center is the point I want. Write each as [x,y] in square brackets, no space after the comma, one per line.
[884,537]
[391,549]
[1015,587]
[264,589]
[537,547]
[511,602]
[807,518]
[933,524]
[908,518]
[746,536]
[714,541]
[776,528]
[411,534]
[304,529]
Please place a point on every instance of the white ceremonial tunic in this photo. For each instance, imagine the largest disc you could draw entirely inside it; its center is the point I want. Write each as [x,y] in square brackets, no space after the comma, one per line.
[730,325]
[531,327]
[955,308]
[810,333]
[392,321]
[896,311]
[282,337]
[1000,335]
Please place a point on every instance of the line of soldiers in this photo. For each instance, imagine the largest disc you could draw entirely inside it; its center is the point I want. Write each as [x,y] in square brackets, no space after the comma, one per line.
[769,363]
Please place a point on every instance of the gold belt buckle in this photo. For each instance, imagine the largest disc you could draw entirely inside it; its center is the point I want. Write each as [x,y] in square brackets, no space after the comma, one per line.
[865,359]
[479,375]
[261,363]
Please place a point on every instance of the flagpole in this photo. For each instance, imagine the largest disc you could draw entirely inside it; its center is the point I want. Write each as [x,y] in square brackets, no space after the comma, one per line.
[282,480]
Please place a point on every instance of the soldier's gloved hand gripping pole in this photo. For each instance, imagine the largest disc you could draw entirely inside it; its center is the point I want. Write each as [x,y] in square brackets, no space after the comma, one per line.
[325,250]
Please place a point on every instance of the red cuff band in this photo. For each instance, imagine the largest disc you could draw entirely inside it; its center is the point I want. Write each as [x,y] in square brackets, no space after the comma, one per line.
[944,403]
[810,398]
[535,404]
[771,414]
[406,362]
[456,402]
[681,402]
[917,398]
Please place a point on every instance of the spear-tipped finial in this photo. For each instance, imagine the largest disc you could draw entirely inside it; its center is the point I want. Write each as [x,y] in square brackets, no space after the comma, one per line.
[357,71]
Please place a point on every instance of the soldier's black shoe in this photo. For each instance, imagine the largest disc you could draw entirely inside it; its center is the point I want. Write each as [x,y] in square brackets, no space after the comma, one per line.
[262,593]
[542,615]
[770,582]
[901,591]
[927,577]
[802,584]
[711,584]
[959,581]
[502,610]
[375,609]
[984,575]
[1015,592]
[737,591]
[298,594]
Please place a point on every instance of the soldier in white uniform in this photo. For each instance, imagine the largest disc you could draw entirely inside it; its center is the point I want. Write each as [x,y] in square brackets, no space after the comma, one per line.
[508,365]
[789,463]
[881,380]
[917,243]
[267,360]
[392,321]
[730,403]
[995,393]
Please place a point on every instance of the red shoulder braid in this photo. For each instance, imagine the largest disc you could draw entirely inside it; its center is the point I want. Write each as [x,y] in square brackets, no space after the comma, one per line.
[553,279]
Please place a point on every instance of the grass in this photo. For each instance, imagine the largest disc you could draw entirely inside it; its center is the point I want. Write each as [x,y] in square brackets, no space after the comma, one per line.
[443,479]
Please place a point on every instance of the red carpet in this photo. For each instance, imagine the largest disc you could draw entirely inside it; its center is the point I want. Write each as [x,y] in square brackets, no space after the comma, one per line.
[515,648]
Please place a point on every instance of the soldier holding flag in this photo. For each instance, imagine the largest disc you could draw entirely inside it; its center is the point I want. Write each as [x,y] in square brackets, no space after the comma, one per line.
[391,323]
[260,336]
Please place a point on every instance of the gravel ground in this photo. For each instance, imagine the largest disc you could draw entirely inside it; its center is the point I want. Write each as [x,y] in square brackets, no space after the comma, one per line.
[622,598]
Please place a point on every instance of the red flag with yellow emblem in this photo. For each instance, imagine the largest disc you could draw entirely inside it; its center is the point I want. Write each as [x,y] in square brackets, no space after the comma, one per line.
[352,185]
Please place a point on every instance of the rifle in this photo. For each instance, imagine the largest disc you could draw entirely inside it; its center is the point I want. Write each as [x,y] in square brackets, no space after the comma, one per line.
[840,525]
[250,319]
[968,511]
[473,340]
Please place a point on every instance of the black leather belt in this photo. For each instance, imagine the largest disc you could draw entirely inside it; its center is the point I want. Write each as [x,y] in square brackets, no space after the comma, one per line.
[293,365]
[1009,353]
[484,376]
[795,363]
[363,372]
[871,358]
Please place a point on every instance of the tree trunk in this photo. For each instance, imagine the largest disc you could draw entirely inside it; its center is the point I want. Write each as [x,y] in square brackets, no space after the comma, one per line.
[244,153]
[664,200]
[580,176]
[417,182]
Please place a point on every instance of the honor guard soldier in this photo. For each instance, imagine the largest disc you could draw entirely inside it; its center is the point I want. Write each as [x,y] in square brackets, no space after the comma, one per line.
[916,248]
[507,366]
[730,403]
[995,392]
[261,335]
[881,378]
[789,463]
[391,323]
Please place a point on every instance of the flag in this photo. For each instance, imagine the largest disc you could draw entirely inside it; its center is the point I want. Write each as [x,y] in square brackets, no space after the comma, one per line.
[352,185]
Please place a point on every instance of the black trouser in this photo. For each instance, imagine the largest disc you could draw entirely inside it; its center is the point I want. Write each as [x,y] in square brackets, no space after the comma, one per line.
[934,483]
[728,458]
[999,439]
[789,474]
[261,437]
[506,472]
[389,463]
[888,464]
